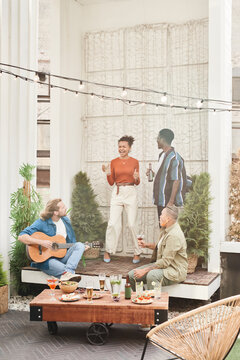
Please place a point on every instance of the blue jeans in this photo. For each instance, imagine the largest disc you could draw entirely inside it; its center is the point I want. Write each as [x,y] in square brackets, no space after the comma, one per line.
[56,267]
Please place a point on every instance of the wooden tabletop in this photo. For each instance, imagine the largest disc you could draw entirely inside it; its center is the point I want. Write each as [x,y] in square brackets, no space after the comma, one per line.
[100,310]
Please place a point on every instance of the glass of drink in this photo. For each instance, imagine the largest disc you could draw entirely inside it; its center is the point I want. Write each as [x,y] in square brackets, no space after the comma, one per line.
[157,291]
[139,288]
[89,289]
[115,282]
[140,237]
[102,278]
[52,283]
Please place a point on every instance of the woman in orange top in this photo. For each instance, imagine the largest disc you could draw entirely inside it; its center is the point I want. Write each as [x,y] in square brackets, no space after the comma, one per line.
[124,174]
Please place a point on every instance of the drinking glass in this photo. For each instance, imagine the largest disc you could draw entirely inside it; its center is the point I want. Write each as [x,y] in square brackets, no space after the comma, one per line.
[102,278]
[139,288]
[140,236]
[89,289]
[157,291]
[52,283]
[115,282]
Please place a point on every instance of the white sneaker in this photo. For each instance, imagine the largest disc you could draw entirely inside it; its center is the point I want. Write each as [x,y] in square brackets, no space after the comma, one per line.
[67,276]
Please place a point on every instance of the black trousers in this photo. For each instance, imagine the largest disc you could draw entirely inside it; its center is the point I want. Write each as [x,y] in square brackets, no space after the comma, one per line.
[159,210]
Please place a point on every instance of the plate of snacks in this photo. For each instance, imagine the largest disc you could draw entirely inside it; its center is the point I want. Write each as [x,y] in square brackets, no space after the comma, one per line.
[70,297]
[142,300]
[149,293]
[95,296]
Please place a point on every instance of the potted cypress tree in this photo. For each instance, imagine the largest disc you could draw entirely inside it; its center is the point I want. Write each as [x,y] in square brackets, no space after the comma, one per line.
[3,289]
[86,217]
[194,219]
[25,206]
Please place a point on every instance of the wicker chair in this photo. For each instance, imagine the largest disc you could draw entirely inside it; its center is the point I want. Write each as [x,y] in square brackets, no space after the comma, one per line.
[206,333]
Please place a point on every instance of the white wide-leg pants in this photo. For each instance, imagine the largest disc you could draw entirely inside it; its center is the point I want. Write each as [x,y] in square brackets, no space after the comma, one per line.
[127,199]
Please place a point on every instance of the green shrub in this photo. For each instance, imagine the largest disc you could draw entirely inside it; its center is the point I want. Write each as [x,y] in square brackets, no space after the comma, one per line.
[3,274]
[86,217]
[25,206]
[194,219]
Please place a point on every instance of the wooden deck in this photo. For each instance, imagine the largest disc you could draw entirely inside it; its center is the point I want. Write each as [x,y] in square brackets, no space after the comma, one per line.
[200,285]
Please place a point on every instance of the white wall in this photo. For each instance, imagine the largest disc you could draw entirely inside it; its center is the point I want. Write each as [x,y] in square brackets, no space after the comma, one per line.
[220,124]
[66,124]
[116,14]
[69,22]
[18,117]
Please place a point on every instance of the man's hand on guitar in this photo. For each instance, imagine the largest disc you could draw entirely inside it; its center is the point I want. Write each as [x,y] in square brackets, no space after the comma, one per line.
[46,243]
[86,247]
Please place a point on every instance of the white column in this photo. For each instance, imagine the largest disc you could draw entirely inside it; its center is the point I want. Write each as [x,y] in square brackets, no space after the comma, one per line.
[18,103]
[220,124]
[66,124]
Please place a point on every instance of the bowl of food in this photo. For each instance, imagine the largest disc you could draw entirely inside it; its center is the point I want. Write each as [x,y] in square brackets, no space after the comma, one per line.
[68,286]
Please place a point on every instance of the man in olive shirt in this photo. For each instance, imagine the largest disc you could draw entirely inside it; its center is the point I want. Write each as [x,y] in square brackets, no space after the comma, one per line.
[169,260]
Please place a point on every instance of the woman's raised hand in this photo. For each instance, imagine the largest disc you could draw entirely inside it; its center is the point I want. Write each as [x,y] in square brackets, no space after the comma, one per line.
[106,169]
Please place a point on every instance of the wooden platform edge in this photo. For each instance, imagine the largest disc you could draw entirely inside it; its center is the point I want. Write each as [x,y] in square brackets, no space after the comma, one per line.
[182,290]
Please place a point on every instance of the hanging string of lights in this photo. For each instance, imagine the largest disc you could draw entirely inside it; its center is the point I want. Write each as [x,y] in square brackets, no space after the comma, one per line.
[201,103]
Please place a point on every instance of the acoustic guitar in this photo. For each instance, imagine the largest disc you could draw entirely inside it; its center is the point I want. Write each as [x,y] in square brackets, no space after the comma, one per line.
[59,247]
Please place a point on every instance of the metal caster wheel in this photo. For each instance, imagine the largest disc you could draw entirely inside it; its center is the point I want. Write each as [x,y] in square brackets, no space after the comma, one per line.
[97,334]
[108,325]
[52,327]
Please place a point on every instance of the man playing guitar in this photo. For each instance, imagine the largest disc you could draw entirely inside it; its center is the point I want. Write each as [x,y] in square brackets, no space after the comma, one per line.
[53,221]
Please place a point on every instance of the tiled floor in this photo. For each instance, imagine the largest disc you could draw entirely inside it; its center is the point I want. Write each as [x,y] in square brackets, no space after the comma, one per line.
[24,340]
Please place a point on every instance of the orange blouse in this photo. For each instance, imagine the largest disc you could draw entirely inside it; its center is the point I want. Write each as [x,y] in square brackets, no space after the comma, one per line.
[122,171]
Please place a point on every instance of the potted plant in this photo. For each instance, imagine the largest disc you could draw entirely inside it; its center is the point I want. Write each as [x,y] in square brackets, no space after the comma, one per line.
[25,206]
[3,289]
[86,217]
[234,200]
[194,219]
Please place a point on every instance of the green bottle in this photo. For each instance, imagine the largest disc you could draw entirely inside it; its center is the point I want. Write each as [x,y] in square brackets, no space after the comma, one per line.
[128,289]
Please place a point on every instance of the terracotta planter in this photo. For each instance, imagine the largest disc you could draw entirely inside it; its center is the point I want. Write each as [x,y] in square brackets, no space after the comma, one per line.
[192,263]
[3,299]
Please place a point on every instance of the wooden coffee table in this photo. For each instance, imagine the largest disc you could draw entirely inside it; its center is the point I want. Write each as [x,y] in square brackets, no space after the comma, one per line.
[102,312]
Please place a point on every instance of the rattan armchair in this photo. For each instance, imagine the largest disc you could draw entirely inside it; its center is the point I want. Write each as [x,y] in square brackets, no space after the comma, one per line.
[206,333]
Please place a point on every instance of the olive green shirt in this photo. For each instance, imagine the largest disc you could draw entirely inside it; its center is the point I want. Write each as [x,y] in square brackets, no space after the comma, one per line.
[171,256]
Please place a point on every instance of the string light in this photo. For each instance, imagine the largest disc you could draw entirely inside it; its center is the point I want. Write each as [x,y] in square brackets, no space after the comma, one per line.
[164,98]
[81,85]
[42,77]
[36,77]
[76,94]
[126,101]
[200,103]
[0,72]
[124,93]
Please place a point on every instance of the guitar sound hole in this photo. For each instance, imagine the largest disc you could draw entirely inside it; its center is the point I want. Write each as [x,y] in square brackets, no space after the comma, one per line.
[54,246]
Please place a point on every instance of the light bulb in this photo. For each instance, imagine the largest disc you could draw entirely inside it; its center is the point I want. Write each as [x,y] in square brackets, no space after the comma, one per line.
[200,103]
[164,98]
[76,94]
[81,85]
[124,93]
[143,104]
[36,77]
